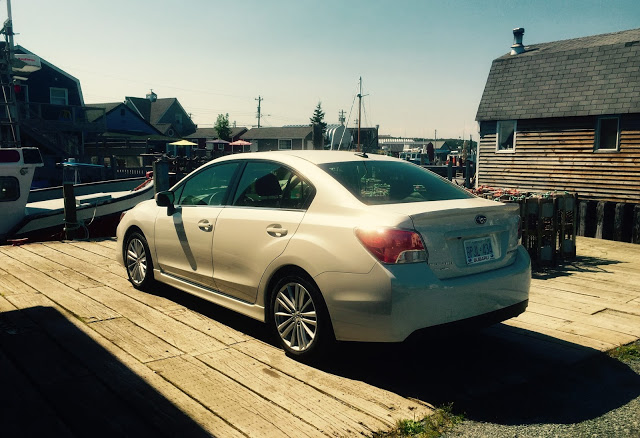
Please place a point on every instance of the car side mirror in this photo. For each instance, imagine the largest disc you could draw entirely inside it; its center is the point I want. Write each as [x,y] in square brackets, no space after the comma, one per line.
[166,199]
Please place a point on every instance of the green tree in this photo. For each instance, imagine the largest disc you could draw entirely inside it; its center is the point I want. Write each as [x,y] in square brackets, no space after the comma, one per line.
[222,127]
[318,118]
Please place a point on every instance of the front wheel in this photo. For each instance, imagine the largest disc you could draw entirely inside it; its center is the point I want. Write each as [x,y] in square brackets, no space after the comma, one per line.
[137,259]
[300,318]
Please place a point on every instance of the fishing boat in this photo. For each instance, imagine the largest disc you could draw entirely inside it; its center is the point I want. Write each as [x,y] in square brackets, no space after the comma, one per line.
[40,214]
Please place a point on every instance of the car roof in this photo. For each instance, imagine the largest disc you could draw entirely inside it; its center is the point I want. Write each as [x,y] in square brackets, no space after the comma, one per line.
[312,156]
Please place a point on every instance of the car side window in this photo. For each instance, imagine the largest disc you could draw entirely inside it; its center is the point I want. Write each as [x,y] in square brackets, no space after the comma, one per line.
[271,185]
[207,187]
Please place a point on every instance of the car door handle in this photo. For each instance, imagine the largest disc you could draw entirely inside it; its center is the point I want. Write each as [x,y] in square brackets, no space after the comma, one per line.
[205,225]
[276,230]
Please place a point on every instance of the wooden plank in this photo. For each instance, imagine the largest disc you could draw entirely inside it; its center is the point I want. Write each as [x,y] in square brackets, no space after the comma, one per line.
[136,341]
[246,410]
[580,298]
[384,405]
[558,334]
[9,285]
[82,306]
[156,322]
[30,259]
[108,263]
[148,395]
[118,281]
[558,299]
[332,417]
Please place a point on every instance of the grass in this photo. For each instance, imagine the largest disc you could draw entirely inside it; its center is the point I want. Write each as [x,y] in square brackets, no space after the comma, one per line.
[627,352]
[431,426]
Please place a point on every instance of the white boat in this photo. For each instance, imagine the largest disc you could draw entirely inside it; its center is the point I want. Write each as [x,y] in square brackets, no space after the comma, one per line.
[39,213]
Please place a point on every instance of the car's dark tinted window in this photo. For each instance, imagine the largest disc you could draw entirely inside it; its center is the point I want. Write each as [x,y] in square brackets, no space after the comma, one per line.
[391,182]
[207,187]
[271,185]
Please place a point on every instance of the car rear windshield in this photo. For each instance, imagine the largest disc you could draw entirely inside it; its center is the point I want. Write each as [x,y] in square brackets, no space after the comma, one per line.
[392,182]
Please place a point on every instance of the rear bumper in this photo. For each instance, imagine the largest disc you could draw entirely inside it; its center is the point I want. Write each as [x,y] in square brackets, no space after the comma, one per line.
[390,303]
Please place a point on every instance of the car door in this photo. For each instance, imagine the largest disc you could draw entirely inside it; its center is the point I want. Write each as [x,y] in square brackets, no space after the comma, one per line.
[184,236]
[267,209]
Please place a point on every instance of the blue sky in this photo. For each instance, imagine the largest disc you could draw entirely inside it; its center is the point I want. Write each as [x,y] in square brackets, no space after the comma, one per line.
[423,63]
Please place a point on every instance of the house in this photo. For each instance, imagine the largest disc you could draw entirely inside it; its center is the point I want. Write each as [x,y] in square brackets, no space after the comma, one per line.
[127,136]
[49,114]
[205,136]
[166,115]
[285,138]
[564,115]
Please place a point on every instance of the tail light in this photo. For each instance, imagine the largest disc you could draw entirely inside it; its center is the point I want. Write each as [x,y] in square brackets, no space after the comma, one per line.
[390,245]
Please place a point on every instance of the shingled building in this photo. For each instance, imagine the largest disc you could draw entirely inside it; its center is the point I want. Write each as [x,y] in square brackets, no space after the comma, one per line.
[564,115]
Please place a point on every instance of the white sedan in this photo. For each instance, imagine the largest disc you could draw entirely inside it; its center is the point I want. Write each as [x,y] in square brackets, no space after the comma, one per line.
[327,245]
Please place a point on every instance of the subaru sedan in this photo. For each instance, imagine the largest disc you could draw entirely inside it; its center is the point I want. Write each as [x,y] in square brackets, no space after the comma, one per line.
[329,245]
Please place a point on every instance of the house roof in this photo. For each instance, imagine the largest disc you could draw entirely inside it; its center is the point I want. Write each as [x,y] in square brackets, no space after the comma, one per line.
[594,75]
[213,133]
[277,133]
[151,111]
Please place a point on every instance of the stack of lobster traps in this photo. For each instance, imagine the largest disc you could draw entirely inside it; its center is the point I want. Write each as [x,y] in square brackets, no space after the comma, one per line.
[548,222]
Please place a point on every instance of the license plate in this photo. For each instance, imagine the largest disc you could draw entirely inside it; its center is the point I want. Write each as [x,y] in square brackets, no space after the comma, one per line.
[478,250]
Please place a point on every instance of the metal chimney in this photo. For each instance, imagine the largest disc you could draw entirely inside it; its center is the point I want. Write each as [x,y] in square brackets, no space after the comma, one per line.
[517,46]
[152,97]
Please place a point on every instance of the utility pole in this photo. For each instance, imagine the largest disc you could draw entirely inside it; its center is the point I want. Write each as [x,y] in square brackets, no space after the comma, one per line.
[341,117]
[259,99]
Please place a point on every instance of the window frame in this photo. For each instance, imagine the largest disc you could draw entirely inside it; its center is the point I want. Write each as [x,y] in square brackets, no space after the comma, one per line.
[597,135]
[512,149]
[57,89]
[290,148]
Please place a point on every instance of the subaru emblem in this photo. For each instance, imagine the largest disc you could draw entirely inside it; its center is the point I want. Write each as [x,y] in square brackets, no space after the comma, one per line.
[481,219]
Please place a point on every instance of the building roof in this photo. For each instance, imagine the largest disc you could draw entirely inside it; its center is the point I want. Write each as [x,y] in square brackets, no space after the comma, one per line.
[277,133]
[151,111]
[594,75]
[213,133]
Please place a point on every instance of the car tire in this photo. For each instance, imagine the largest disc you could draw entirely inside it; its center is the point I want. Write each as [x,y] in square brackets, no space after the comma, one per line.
[299,318]
[137,260]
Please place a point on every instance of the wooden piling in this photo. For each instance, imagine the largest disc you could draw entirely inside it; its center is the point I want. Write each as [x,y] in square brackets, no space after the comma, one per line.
[600,219]
[583,218]
[635,234]
[161,174]
[70,215]
[618,222]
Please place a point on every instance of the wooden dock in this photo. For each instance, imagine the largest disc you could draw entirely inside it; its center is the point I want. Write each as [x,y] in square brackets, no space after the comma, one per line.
[82,352]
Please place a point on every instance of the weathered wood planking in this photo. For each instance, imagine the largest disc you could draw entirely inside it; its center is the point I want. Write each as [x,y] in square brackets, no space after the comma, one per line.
[229,384]
[558,154]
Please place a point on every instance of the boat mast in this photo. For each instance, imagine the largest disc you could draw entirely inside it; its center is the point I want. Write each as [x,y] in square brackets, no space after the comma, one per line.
[6,81]
[359,112]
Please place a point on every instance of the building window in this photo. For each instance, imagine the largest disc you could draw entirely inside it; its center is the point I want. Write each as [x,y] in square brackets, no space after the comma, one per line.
[607,134]
[58,96]
[506,140]
[284,144]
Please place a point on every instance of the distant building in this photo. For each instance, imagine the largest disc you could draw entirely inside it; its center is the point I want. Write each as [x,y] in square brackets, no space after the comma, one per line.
[284,138]
[166,115]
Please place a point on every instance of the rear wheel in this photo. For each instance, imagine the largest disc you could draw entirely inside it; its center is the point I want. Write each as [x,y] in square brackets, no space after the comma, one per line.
[300,318]
[137,259]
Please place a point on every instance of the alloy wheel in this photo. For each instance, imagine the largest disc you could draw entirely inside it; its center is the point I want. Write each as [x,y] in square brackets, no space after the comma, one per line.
[296,319]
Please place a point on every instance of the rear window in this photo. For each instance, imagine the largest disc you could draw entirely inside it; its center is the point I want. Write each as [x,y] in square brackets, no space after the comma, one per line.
[392,182]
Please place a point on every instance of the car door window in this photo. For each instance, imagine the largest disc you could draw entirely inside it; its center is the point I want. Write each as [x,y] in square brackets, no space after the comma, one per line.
[207,187]
[271,185]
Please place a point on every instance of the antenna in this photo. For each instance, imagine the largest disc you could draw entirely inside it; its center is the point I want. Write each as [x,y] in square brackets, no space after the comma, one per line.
[360,96]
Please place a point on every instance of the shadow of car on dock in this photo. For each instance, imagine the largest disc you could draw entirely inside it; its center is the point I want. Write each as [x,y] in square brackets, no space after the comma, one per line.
[500,374]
